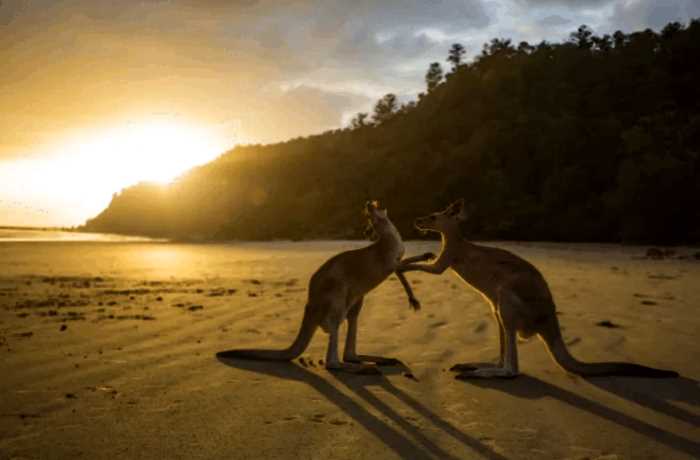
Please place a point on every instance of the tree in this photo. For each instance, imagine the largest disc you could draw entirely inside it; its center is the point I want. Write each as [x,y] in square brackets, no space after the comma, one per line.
[525,48]
[359,121]
[455,55]
[385,108]
[434,76]
[555,142]
[498,46]
[582,37]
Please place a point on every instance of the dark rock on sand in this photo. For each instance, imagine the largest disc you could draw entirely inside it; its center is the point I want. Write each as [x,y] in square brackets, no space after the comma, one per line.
[608,324]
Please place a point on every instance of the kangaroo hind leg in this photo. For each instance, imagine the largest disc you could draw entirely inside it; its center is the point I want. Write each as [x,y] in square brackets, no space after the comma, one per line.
[350,354]
[501,345]
[506,315]
[332,326]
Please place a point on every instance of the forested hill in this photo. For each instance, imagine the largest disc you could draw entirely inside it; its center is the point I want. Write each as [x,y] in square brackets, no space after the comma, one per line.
[593,139]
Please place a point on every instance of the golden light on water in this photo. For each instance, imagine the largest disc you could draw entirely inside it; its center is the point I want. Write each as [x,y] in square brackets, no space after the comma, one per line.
[78,176]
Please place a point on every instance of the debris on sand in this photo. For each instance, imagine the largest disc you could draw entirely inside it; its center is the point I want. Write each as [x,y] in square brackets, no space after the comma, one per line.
[195,307]
[71,396]
[25,335]
[608,324]
[63,327]
[658,254]
[661,276]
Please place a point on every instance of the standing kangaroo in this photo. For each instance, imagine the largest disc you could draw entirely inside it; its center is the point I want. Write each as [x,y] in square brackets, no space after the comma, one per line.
[336,293]
[518,295]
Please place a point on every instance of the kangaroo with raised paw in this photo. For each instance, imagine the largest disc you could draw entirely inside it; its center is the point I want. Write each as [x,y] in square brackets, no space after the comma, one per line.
[336,293]
[519,298]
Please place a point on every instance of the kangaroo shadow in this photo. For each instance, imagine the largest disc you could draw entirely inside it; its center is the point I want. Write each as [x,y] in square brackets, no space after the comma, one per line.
[402,445]
[359,387]
[529,387]
[655,394]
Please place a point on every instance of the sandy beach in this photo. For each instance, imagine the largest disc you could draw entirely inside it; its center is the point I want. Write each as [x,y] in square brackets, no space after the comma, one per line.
[107,350]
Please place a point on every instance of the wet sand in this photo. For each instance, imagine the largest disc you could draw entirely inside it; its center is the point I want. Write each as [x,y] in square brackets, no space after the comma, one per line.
[107,350]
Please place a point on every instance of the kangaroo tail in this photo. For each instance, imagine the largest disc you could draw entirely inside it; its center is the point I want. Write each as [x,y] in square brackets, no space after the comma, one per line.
[551,335]
[306,332]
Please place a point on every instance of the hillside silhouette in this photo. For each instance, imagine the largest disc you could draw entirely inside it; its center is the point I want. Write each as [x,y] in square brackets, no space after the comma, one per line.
[593,139]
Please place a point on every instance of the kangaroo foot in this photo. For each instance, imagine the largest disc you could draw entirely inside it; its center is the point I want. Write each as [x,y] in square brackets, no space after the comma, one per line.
[472,366]
[353,368]
[380,360]
[487,373]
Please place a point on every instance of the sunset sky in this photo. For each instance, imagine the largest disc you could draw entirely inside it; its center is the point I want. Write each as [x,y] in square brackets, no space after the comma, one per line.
[97,95]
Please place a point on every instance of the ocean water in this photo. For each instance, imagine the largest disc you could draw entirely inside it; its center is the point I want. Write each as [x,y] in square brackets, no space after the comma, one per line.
[40,235]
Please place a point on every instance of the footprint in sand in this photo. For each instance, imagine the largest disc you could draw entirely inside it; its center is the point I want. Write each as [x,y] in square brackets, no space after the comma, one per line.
[318,418]
[526,433]
[23,334]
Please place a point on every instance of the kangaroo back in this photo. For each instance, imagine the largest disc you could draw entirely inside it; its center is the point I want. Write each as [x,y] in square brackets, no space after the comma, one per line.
[306,332]
[551,335]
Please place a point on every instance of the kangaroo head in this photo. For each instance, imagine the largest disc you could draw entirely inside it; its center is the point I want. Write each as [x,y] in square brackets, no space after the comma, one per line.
[443,221]
[378,221]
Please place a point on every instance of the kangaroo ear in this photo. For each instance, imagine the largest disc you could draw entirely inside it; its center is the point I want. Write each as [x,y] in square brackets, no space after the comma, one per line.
[369,207]
[455,208]
[462,213]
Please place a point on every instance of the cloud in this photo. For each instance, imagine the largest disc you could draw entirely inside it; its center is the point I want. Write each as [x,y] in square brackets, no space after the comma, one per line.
[572,4]
[72,62]
[68,64]
[632,15]
[553,20]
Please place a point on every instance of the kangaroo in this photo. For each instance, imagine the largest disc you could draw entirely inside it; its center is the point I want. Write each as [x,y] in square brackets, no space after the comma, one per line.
[336,292]
[519,298]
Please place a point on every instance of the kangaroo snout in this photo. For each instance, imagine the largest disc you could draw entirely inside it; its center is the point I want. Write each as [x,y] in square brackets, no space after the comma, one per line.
[422,223]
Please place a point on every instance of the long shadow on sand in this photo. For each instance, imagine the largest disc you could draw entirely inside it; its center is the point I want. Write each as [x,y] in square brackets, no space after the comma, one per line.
[402,445]
[655,394]
[359,387]
[533,388]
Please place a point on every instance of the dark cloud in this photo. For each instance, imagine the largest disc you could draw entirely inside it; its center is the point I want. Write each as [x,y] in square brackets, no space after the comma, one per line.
[553,20]
[654,14]
[573,4]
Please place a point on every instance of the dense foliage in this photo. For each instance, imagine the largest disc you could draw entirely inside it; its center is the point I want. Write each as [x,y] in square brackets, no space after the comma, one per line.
[593,139]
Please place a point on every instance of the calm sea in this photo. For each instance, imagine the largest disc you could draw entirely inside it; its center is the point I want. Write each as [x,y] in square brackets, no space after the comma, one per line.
[38,235]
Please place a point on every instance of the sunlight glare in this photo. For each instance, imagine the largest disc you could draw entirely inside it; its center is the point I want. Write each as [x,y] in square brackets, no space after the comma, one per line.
[76,180]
